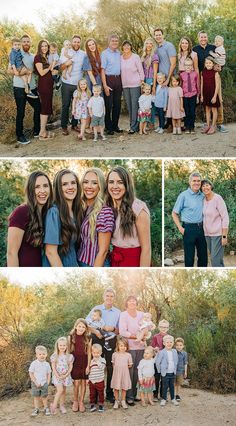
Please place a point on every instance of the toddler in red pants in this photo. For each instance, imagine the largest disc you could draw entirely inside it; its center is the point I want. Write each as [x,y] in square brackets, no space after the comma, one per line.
[96,379]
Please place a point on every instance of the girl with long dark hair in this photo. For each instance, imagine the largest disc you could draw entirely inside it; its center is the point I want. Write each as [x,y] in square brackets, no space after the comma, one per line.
[63,220]
[45,86]
[25,228]
[131,238]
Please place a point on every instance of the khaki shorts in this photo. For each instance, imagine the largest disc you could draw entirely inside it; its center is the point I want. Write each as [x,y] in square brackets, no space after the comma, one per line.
[41,391]
[180,379]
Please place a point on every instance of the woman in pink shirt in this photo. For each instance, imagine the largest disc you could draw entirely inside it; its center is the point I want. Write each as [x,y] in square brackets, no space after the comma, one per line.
[185,51]
[215,223]
[128,328]
[131,238]
[132,76]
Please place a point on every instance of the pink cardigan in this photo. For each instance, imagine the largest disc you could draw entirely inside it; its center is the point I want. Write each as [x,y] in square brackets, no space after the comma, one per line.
[130,325]
[215,216]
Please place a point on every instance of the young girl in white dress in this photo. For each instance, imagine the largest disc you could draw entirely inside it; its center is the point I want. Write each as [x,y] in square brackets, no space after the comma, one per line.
[80,111]
[62,363]
[144,112]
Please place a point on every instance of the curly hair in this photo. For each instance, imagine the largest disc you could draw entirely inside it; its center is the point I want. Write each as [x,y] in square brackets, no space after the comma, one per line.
[39,53]
[72,336]
[35,229]
[127,216]
[95,60]
[99,200]
[68,227]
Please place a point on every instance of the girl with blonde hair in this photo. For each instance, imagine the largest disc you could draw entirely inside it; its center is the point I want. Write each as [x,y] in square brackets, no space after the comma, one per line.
[79,345]
[98,222]
[150,61]
[80,112]
[62,363]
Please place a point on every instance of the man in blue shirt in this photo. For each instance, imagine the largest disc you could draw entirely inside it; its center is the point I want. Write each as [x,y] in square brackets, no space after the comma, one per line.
[189,208]
[110,316]
[111,80]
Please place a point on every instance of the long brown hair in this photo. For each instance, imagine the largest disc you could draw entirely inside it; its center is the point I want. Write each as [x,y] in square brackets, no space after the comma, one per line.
[35,229]
[39,53]
[127,216]
[68,227]
[189,51]
[95,61]
[72,336]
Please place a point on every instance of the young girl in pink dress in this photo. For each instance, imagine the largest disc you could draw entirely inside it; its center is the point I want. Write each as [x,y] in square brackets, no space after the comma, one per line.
[80,111]
[62,363]
[120,381]
[210,85]
[175,108]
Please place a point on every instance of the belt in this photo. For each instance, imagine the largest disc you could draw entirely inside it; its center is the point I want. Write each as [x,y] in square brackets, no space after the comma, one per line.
[111,75]
[199,224]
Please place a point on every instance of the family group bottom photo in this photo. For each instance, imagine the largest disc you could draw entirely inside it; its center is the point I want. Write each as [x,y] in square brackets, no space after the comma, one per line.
[114,347]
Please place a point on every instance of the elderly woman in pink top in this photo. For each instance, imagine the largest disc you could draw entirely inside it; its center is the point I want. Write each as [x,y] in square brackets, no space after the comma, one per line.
[131,238]
[132,76]
[215,223]
[128,328]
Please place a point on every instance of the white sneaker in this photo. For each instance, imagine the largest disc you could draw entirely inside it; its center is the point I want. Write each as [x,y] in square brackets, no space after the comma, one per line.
[161,131]
[104,138]
[95,139]
[174,402]
[174,131]
[163,403]
[179,131]
[124,405]
[157,129]
[116,405]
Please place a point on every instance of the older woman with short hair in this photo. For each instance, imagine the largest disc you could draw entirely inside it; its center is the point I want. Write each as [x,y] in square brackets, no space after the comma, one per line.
[128,328]
[215,223]
[132,76]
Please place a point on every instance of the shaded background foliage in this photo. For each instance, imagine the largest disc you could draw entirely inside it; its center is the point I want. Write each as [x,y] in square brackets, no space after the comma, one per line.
[132,20]
[200,305]
[223,175]
[146,175]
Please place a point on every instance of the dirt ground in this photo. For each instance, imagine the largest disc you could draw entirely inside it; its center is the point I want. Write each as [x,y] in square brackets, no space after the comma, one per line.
[196,408]
[229,261]
[151,145]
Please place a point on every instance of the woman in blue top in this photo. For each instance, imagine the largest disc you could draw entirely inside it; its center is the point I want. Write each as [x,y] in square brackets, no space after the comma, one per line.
[92,63]
[63,220]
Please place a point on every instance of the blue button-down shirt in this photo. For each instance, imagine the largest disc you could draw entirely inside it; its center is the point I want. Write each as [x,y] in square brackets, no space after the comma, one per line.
[182,361]
[189,205]
[110,61]
[110,316]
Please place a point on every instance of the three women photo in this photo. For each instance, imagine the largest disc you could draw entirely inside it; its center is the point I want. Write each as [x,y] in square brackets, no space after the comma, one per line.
[97,221]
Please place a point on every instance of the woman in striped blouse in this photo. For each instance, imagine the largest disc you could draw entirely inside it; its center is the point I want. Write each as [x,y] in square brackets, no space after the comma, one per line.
[98,222]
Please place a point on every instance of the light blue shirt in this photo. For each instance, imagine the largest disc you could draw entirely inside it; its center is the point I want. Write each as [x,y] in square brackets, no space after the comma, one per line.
[161,97]
[189,205]
[165,51]
[161,361]
[77,67]
[28,60]
[110,316]
[110,61]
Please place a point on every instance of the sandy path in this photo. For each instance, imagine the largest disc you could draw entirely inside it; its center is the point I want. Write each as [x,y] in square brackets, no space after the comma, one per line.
[229,261]
[196,408]
[152,145]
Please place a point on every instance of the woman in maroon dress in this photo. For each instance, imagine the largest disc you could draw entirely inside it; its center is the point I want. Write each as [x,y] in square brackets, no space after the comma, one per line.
[210,85]
[45,86]
[80,347]
[25,227]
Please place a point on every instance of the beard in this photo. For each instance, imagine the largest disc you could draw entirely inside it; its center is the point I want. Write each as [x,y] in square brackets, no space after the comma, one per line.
[26,48]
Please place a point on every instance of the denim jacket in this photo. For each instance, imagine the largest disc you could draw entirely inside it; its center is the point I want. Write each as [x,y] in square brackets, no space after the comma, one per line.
[162,361]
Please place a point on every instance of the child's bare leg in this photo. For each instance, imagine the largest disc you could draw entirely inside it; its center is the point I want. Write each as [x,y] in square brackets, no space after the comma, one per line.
[150,398]
[177,389]
[123,395]
[82,390]
[144,128]
[69,69]
[82,129]
[95,130]
[142,395]
[36,402]
[45,402]
[76,390]
[102,130]
[214,116]
[208,116]
[43,123]
[116,394]
[63,396]
[141,128]
[58,395]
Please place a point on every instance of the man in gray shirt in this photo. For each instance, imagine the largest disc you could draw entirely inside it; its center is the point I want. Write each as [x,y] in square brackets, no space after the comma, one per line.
[21,96]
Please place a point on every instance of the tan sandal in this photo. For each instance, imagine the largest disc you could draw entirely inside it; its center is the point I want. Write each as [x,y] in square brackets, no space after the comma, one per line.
[75,406]
[81,407]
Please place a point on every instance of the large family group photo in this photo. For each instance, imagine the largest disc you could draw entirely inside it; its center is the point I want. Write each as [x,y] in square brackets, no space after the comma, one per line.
[81,217]
[118,346]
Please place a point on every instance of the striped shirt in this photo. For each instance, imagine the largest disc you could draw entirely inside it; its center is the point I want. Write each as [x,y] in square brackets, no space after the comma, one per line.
[89,248]
[97,368]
